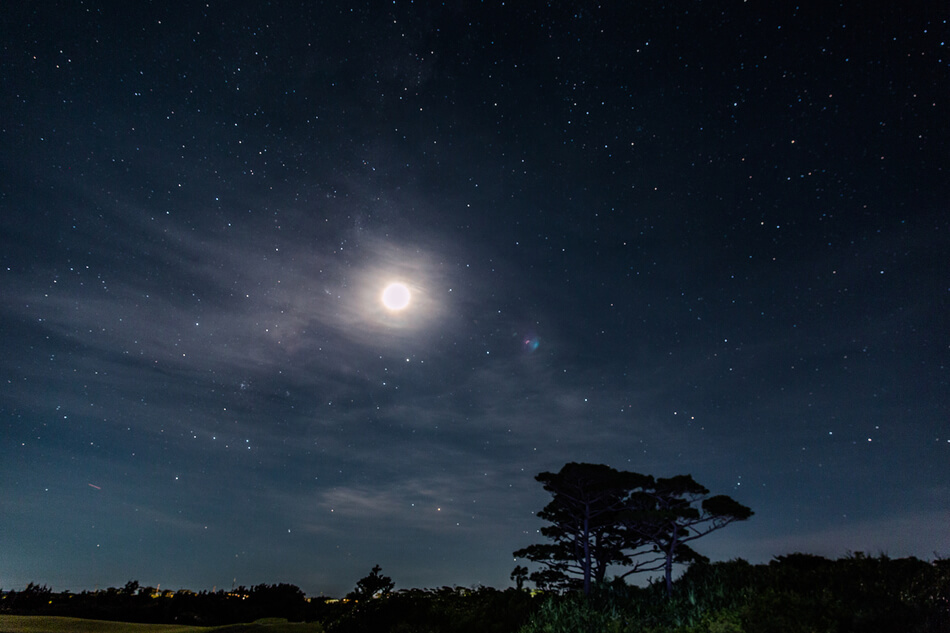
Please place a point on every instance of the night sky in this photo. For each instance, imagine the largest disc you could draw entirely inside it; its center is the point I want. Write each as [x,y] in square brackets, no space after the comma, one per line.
[672,237]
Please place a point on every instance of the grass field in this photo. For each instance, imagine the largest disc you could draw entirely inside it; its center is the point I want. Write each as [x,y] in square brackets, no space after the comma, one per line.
[51,624]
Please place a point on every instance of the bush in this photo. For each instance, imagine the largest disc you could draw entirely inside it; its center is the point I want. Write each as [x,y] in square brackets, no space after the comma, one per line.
[796,593]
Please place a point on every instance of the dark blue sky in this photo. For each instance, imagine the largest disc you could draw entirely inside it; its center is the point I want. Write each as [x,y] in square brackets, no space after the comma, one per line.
[705,238]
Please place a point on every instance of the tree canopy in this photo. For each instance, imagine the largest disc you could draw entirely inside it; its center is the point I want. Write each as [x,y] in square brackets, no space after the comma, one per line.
[372,585]
[599,516]
[676,511]
[585,536]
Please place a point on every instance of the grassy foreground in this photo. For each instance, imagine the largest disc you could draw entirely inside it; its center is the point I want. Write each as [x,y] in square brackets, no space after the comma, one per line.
[54,624]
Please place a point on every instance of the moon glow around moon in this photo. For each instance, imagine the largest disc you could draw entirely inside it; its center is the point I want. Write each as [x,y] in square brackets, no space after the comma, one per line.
[396,296]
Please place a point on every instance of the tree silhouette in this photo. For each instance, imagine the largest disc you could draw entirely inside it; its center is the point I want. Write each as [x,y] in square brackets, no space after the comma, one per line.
[586,536]
[519,574]
[32,597]
[676,511]
[600,517]
[276,600]
[372,585]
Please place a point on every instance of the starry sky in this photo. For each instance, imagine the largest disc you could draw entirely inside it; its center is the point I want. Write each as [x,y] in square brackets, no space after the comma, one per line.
[672,237]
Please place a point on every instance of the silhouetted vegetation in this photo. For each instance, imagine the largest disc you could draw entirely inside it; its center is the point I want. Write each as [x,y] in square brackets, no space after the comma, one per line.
[456,609]
[133,603]
[798,593]
[600,516]
[791,594]
[373,585]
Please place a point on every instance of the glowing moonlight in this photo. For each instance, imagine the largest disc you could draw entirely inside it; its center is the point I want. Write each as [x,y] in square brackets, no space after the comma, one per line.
[396,296]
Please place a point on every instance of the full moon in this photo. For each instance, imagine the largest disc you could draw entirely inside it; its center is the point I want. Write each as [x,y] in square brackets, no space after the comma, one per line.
[396,296]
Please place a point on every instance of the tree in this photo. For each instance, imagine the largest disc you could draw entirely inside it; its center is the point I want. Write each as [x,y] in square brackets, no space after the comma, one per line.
[586,536]
[279,600]
[519,574]
[372,585]
[676,511]
[600,517]
[34,597]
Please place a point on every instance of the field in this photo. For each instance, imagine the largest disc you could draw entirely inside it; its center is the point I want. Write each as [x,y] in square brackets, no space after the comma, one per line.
[52,624]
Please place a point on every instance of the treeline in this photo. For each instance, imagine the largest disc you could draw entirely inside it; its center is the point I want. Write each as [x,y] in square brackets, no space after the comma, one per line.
[457,609]
[135,603]
[797,593]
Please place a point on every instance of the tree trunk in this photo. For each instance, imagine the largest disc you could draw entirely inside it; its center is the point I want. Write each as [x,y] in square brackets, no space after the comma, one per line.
[587,554]
[668,564]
